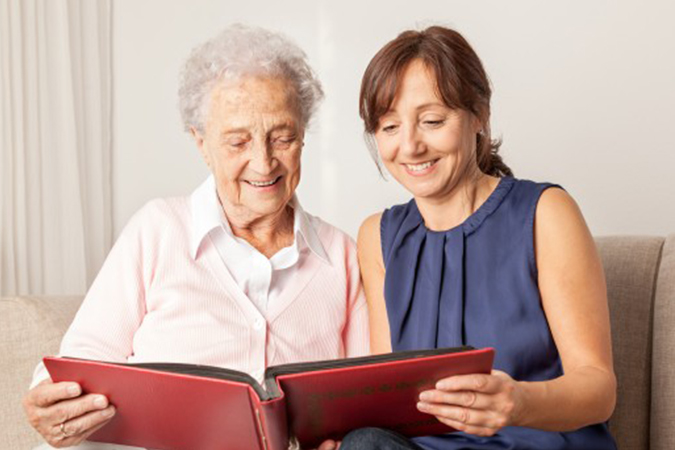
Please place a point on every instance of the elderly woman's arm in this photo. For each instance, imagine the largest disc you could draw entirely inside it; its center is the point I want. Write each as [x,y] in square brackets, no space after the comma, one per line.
[103,329]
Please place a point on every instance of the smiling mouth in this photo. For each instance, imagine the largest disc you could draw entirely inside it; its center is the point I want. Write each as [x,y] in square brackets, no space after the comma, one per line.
[420,167]
[263,183]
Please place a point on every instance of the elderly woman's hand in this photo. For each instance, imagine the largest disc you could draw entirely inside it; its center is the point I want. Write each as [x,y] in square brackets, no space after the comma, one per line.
[476,404]
[62,415]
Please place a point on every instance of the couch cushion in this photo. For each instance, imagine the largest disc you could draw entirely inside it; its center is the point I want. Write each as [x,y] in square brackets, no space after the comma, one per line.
[663,353]
[631,265]
[31,327]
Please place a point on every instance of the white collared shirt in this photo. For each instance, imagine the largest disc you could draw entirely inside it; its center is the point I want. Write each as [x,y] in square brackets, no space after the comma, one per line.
[260,279]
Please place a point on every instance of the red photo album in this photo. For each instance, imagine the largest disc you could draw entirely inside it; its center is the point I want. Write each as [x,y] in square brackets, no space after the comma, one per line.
[169,406]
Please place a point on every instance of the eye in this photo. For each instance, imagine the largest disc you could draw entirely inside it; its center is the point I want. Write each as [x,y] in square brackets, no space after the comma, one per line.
[433,123]
[389,128]
[237,145]
[283,142]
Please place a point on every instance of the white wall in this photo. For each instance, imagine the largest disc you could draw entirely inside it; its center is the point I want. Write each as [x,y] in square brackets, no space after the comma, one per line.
[584,96]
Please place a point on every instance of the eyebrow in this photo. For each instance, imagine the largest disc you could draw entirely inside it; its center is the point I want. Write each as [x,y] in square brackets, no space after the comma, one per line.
[427,105]
[419,108]
[234,131]
[244,130]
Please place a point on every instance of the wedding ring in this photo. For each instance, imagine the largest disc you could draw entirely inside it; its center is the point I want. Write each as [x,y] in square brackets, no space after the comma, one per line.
[63,430]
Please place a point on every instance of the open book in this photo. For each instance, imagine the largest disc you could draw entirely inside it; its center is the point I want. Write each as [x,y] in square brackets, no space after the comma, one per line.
[192,407]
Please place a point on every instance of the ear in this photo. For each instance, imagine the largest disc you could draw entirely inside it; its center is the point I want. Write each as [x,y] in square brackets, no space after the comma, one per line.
[482,117]
[199,140]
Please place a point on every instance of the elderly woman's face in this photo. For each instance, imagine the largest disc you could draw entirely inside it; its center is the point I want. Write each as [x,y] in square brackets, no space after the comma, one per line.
[252,143]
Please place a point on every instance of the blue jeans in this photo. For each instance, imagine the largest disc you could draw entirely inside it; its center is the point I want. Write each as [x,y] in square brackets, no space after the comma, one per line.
[376,439]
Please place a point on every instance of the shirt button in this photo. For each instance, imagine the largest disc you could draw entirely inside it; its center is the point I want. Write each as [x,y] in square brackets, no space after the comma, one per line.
[258,324]
[257,374]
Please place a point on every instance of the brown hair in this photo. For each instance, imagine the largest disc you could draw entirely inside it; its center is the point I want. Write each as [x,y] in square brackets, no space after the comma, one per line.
[460,78]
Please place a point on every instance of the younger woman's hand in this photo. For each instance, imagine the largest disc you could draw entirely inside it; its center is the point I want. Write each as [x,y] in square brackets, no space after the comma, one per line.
[329,445]
[477,404]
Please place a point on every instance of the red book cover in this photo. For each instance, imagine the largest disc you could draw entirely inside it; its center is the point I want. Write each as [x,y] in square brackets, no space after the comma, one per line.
[188,407]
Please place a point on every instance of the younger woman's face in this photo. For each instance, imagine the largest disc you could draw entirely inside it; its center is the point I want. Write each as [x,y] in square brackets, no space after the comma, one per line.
[427,146]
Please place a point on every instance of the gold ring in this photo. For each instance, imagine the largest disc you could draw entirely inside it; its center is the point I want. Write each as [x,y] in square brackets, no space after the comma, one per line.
[63,430]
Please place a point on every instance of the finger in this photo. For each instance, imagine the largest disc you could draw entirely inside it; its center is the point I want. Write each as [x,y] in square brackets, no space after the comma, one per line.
[488,384]
[60,440]
[44,395]
[67,410]
[328,445]
[467,416]
[468,399]
[470,429]
[84,425]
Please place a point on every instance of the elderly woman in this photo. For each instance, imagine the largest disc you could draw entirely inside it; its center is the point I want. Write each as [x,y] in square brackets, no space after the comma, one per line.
[236,275]
[479,258]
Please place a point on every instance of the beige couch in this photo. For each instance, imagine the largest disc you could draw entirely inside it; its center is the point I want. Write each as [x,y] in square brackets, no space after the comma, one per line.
[641,282]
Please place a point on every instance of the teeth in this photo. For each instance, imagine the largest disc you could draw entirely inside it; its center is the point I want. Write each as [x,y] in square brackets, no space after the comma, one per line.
[262,183]
[419,167]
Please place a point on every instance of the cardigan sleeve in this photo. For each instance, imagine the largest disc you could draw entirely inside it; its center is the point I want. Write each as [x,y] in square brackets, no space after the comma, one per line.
[113,309]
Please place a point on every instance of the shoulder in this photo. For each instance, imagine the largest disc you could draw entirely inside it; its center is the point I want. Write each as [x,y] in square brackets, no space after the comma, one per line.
[550,206]
[369,232]
[172,208]
[556,208]
[158,218]
[339,246]
[530,198]
[369,241]
[559,226]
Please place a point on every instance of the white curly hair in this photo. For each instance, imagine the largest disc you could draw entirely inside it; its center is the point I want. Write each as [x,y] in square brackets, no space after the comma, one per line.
[240,51]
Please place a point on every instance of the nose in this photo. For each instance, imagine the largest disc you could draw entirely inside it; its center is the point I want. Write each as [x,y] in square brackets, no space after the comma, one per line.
[411,145]
[262,159]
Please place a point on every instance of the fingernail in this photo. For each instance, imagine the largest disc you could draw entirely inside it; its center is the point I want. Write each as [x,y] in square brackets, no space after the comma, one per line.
[100,402]
[425,396]
[73,389]
[108,412]
[421,406]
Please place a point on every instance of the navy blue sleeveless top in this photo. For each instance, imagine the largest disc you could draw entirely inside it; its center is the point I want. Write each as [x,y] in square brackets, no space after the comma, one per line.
[476,284]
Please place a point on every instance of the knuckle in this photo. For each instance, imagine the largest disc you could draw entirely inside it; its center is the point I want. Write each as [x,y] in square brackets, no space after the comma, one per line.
[60,413]
[37,415]
[461,427]
[469,398]
[479,381]
[73,429]
[34,421]
[463,415]
[500,422]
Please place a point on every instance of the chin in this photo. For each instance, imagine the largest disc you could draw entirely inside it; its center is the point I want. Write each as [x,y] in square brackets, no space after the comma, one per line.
[418,189]
[267,205]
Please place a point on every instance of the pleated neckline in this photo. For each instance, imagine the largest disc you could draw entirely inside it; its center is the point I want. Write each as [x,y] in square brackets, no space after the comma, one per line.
[475,220]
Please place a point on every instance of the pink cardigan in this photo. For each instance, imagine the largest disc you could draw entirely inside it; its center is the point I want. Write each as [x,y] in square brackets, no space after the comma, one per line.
[152,301]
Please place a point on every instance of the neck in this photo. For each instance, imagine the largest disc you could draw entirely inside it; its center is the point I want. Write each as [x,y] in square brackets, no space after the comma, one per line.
[461,201]
[267,234]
